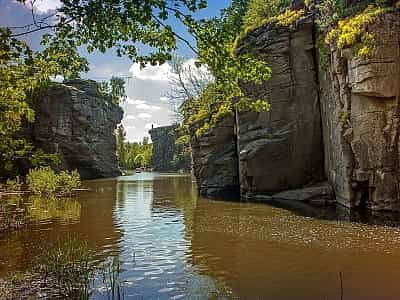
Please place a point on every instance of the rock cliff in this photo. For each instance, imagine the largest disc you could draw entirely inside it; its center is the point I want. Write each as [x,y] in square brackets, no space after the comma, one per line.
[167,155]
[214,154]
[74,120]
[360,112]
[338,123]
[287,139]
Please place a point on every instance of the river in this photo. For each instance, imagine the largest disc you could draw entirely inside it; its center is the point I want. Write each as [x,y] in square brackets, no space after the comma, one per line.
[175,245]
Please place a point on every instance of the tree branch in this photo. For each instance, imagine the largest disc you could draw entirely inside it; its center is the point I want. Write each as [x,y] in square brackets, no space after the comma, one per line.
[179,37]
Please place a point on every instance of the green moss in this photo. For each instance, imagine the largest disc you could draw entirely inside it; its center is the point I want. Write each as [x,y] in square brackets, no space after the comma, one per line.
[344,117]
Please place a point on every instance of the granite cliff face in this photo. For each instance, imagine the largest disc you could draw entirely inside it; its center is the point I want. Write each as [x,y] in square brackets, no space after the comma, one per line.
[287,140]
[360,112]
[339,124]
[167,155]
[74,120]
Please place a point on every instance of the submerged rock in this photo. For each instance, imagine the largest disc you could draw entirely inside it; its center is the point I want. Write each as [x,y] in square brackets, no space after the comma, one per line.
[75,121]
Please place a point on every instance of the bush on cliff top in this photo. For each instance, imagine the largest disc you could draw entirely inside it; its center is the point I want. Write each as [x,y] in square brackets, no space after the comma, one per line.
[351,32]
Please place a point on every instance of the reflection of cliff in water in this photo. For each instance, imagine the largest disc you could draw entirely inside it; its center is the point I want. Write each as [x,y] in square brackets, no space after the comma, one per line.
[90,217]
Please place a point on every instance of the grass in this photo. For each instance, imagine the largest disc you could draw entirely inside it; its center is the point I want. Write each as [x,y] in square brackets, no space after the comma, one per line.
[66,271]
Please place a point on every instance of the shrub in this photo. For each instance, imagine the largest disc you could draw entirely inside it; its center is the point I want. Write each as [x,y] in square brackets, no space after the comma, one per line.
[351,32]
[67,181]
[44,180]
[13,184]
[259,10]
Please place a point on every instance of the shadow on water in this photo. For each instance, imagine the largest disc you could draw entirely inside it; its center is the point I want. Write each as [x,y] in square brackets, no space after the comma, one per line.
[326,211]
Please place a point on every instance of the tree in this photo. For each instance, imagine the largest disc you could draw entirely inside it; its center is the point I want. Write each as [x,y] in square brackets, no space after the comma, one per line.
[114,89]
[187,82]
[120,24]
[23,76]
[121,149]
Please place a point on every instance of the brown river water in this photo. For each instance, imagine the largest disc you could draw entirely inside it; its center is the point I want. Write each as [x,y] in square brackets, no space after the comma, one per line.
[175,245]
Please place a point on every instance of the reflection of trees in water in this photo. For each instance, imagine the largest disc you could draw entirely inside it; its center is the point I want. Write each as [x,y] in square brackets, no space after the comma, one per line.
[64,210]
[89,217]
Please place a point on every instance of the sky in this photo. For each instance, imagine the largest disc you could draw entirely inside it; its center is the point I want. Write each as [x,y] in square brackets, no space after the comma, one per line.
[146,104]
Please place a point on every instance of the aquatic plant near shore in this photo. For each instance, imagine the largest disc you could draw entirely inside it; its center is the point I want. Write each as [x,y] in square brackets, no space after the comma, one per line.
[45,181]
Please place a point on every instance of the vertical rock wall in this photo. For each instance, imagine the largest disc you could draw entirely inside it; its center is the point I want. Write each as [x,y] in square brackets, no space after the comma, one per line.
[360,111]
[77,122]
[281,149]
[165,149]
[357,102]
[215,159]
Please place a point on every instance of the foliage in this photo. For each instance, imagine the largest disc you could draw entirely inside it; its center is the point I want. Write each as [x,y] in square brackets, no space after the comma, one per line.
[98,24]
[259,10]
[67,181]
[214,41]
[323,53]
[288,18]
[23,75]
[202,130]
[187,81]
[344,117]
[351,32]
[182,157]
[44,180]
[113,89]
[14,184]
[121,150]
[124,25]
[133,155]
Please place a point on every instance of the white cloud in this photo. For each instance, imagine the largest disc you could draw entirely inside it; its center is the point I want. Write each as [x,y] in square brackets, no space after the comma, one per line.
[143,106]
[163,99]
[134,102]
[130,117]
[144,116]
[44,6]
[130,127]
[149,72]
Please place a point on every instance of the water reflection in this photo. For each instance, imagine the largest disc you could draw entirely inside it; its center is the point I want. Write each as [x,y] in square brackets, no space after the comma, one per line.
[172,244]
[50,221]
[154,212]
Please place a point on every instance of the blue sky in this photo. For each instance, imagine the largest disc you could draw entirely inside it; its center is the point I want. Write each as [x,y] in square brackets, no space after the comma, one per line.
[146,89]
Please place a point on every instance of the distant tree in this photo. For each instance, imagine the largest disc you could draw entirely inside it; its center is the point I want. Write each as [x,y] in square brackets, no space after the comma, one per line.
[121,149]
